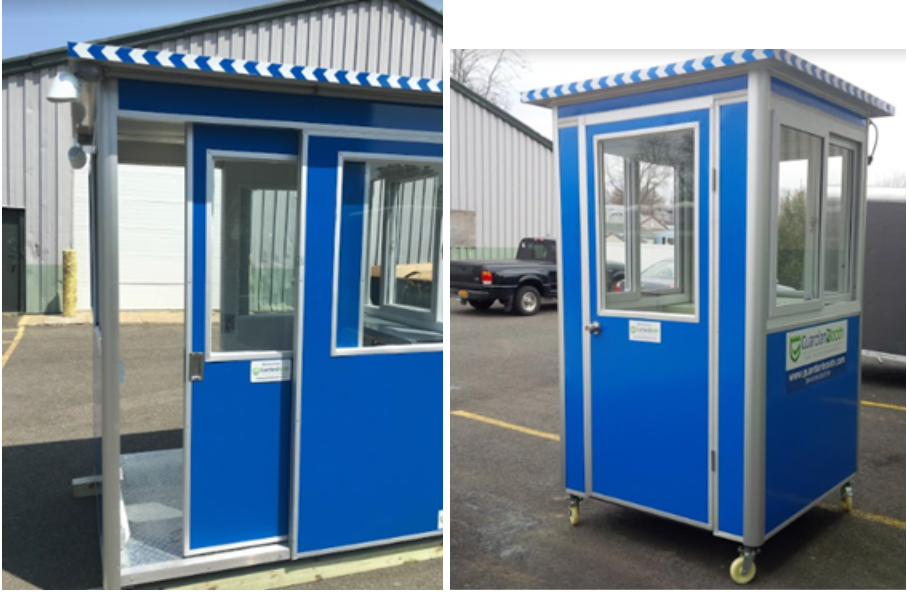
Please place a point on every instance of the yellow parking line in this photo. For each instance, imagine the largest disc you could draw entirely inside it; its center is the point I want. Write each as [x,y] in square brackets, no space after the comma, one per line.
[880,519]
[517,428]
[14,343]
[866,516]
[884,405]
[504,424]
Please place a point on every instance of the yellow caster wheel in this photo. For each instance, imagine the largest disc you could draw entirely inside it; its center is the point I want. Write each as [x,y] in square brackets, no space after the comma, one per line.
[737,572]
[847,498]
[574,514]
[847,503]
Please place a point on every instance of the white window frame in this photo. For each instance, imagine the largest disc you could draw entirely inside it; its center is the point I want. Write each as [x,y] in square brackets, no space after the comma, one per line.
[831,130]
[632,268]
[427,319]
[852,217]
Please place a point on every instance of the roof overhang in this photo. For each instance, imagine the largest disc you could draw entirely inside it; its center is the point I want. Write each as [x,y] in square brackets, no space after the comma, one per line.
[779,62]
[131,62]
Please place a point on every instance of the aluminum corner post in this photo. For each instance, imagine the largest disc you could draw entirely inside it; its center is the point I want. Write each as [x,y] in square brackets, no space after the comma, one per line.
[109,300]
[758,213]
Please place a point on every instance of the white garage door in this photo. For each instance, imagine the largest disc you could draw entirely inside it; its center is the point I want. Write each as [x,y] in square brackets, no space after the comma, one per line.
[151,237]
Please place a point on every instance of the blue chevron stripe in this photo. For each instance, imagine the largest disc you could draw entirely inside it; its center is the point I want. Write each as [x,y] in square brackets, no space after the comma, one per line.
[123,54]
[182,61]
[96,51]
[723,60]
[151,58]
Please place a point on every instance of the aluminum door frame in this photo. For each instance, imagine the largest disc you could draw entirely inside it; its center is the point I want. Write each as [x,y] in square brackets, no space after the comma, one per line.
[710,103]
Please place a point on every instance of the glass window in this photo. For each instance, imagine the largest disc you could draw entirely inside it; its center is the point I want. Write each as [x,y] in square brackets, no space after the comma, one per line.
[799,175]
[253,254]
[647,222]
[390,245]
[839,200]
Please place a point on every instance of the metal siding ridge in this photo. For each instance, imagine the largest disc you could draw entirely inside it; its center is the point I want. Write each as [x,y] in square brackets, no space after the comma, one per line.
[264,69]
[231,21]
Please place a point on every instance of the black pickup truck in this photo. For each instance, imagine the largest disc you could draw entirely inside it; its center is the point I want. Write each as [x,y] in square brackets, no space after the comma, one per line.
[520,284]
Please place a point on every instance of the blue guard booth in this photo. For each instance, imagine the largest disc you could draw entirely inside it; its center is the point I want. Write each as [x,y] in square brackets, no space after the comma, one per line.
[314,324]
[712,231]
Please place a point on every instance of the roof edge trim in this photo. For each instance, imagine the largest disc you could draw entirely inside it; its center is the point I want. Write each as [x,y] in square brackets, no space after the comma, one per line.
[251,68]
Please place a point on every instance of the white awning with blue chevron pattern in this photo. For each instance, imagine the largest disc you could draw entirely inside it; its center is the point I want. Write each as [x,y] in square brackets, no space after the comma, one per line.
[200,63]
[712,62]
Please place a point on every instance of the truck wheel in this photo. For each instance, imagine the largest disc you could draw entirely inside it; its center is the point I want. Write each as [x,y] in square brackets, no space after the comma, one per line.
[481,304]
[527,301]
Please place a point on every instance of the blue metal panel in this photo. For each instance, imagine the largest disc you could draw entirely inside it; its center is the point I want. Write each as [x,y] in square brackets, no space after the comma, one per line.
[350,269]
[650,402]
[732,315]
[184,99]
[700,89]
[571,287]
[240,457]
[790,91]
[240,432]
[371,443]
[811,430]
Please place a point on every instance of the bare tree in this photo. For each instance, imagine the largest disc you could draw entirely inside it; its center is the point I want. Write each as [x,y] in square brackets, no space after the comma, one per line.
[897,179]
[489,73]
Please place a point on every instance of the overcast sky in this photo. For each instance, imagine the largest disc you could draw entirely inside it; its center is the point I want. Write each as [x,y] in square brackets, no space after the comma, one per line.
[870,70]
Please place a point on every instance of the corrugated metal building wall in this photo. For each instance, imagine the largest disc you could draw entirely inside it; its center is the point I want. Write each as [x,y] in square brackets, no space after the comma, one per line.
[401,37]
[501,174]
[37,178]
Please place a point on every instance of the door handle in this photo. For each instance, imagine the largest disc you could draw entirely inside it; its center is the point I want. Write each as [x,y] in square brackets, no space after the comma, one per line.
[594,328]
[196,367]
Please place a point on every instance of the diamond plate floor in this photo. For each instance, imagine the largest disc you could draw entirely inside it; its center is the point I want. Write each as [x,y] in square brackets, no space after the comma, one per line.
[153,495]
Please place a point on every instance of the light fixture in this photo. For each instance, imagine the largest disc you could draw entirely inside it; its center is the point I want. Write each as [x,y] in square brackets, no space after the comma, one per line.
[65,88]
[77,155]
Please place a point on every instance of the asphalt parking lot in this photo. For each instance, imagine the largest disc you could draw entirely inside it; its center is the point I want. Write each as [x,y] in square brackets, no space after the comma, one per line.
[508,517]
[50,541]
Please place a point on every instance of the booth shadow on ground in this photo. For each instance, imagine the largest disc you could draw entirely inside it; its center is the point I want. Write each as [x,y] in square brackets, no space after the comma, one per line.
[882,373]
[50,540]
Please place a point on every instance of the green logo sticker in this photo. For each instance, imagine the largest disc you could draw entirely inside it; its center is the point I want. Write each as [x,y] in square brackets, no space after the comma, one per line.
[794,348]
[256,370]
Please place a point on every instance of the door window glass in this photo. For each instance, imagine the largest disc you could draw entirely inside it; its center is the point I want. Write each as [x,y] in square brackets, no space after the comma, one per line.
[647,224]
[390,244]
[254,242]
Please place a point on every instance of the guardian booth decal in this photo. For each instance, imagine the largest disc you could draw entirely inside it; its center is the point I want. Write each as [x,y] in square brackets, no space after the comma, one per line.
[815,353]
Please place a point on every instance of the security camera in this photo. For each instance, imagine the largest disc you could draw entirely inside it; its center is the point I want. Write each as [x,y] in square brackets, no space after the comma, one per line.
[77,156]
